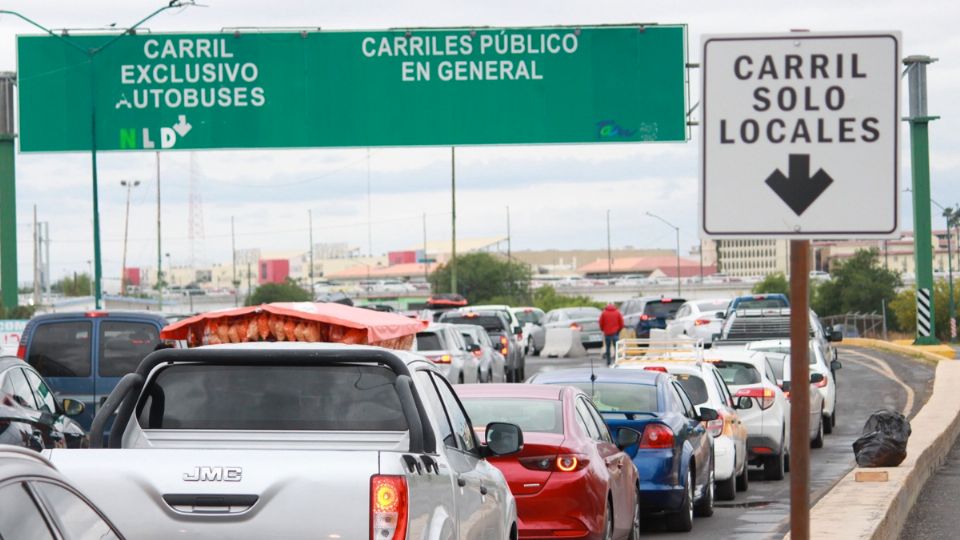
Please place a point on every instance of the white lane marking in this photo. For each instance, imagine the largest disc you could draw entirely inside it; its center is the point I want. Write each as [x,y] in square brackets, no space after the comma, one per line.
[883,368]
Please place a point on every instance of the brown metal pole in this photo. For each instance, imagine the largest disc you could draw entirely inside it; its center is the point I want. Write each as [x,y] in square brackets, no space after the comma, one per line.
[799,395]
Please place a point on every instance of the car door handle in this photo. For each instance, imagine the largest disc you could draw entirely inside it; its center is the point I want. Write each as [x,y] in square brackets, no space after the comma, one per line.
[483,489]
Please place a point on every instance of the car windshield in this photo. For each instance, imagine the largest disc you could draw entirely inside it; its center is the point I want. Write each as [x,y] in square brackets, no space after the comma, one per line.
[488,322]
[583,313]
[273,397]
[527,316]
[662,309]
[427,341]
[737,373]
[532,415]
[694,386]
[614,397]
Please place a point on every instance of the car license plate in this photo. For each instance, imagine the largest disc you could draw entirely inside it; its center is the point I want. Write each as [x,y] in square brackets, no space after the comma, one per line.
[596,337]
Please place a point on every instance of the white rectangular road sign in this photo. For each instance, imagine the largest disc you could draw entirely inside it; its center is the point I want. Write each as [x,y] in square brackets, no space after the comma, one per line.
[799,135]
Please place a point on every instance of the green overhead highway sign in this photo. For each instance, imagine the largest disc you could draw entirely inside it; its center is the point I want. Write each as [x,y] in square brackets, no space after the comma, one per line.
[340,89]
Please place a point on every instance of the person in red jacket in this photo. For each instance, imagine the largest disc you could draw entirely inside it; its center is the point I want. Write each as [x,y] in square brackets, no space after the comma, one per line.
[611,323]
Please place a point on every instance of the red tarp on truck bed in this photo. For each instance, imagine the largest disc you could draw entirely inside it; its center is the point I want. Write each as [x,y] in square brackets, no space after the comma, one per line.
[296,321]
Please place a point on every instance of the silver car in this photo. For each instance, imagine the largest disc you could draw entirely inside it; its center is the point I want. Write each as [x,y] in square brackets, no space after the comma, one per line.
[443,345]
[492,364]
[584,319]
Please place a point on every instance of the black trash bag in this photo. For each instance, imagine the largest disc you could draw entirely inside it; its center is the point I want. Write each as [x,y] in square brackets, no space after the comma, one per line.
[884,440]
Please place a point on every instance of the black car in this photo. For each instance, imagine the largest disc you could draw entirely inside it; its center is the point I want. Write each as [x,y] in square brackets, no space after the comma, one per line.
[30,416]
[38,503]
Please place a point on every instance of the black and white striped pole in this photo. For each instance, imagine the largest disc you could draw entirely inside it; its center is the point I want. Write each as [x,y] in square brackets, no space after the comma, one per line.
[924,314]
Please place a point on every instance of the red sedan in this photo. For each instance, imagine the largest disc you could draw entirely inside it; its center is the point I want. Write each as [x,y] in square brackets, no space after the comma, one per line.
[570,480]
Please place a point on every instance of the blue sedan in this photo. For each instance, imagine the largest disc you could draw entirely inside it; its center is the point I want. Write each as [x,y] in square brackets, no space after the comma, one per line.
[654,422]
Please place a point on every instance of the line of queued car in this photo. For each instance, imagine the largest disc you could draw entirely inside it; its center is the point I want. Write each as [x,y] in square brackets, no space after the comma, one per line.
[668,430]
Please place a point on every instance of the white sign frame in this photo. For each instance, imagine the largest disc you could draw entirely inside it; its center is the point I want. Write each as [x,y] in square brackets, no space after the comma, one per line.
[741,204]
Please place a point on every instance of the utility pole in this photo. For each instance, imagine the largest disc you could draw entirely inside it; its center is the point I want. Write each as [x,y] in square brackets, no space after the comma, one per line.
[426,263]
[36,259]
[233,249]
[159,247]
[952,314]
[609,249]
[453,219]
[800,404]
[509,255]
[677,229]
[126,228]
[8,194]
[920,172]
[310,220]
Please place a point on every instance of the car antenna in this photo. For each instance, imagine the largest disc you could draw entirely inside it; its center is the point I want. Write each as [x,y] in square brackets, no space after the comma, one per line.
[593,379]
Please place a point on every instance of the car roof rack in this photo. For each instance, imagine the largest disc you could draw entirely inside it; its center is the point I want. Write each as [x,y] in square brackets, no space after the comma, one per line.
[631,351]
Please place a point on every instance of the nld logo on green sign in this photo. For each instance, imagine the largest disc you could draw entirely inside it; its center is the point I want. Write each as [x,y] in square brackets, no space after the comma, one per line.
[796,128]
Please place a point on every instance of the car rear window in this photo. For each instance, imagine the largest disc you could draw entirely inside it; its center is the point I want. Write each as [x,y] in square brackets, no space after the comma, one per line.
[661,309]
[738,374]
[123,345]
[527,317]
[785,349]
[613,397]
[428,341]
[764,303]
[583,313]
[713,306]
[275,397]
[694,386]
[61,349]
[488,322]
[532,415]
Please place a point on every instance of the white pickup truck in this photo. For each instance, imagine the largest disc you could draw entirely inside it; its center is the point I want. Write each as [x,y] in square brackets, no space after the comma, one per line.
[294,440]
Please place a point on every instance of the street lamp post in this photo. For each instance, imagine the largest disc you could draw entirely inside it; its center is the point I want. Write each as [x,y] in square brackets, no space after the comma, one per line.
[951,215]
[677,229]
[126,229]
[91,54]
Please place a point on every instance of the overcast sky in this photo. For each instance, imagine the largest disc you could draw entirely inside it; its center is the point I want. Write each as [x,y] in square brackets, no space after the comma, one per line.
[558,195]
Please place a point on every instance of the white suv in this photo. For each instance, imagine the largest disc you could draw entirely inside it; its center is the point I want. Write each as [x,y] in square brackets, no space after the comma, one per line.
[818,364]
[748,374]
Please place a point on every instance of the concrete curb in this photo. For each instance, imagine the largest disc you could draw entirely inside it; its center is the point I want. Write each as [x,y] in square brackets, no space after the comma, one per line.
[928,353]
[878,510]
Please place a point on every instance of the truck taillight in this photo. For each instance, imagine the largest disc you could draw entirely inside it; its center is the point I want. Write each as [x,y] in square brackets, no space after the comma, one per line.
[503,345]
[22,351]
[388,507]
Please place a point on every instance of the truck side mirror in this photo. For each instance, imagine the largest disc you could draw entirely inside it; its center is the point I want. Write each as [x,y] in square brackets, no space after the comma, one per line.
[627,437]
[503,438]
[707,414]
[835,365]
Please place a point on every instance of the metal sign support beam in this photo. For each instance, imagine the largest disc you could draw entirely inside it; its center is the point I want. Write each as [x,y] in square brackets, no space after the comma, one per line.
[799,396]
[8,194]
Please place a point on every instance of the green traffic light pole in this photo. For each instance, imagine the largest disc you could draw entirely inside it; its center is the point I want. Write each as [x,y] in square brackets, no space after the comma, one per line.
[920,172]
[91,53]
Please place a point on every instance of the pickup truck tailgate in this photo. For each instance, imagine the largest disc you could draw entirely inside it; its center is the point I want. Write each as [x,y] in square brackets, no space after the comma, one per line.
[189,493]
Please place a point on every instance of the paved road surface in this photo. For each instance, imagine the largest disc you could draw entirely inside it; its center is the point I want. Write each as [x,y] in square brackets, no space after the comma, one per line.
[869,380]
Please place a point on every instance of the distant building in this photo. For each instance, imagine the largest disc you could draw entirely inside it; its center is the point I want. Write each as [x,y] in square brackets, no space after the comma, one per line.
[753,257]
[642,266]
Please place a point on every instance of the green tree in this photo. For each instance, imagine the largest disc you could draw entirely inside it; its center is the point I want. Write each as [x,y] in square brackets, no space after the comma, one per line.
[287,291]
[481,278]
[904,308]
[773,283]
[547,298]
[859,284]
[19,312]
[76,285]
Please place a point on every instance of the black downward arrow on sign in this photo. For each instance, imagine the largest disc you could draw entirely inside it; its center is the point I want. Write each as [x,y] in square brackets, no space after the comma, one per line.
[799,190]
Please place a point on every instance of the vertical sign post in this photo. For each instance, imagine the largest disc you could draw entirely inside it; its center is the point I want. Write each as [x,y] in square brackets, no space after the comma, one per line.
[797,127]
[8,194]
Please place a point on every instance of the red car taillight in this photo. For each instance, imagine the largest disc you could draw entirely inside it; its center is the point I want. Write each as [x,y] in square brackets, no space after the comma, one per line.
[764,396]
[575,326]
[561,463]
[388,507]
[661,369]
[22,351]
[656,436]
[702,322]
[478,354]
[645,317]
[823,383]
